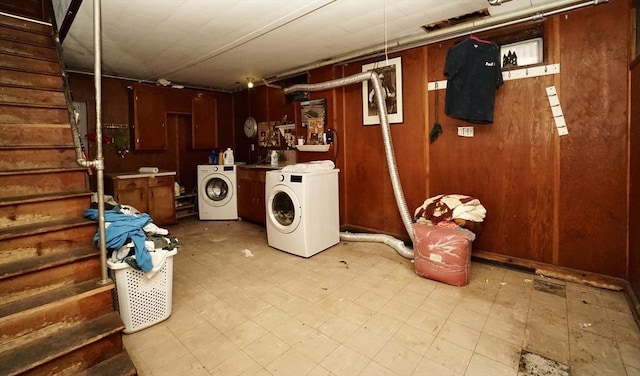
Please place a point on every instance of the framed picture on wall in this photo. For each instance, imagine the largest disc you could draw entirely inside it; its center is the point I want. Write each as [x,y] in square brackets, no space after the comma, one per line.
[313,109]
[390,74]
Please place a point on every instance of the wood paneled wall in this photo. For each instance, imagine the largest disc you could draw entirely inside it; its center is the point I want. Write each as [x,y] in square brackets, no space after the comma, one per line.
[634,189]
[554,200]
[179,156]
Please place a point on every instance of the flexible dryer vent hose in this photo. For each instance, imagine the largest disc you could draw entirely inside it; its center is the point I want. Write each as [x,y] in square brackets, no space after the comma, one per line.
[398,245]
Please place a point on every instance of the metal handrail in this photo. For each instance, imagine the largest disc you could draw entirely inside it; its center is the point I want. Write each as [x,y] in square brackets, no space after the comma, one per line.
[81,156]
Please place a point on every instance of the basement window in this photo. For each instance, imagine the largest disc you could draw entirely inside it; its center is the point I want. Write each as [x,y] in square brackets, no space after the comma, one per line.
[526,52]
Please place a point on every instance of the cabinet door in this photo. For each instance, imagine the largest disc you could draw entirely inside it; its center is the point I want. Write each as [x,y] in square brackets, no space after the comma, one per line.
[204,122]
[162,205]
[132,192]
[150,119]
[251,193]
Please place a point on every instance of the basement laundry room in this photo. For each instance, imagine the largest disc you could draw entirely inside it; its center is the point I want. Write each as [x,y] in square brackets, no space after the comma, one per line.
[323,187]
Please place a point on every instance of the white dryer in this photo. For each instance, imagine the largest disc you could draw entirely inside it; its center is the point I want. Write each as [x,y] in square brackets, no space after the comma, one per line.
[302,211]
[217,195]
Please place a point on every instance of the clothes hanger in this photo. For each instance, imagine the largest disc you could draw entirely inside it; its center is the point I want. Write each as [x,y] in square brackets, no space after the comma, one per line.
[478,39]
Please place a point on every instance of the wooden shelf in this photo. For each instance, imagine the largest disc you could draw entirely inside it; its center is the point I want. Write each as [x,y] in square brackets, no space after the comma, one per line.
[315,148]
[186,205]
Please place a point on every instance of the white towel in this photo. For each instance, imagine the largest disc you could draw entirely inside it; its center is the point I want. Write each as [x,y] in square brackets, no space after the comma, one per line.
[148,170]
[310,166]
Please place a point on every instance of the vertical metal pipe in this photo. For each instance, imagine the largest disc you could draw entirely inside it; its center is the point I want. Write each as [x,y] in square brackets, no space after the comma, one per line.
[97,75]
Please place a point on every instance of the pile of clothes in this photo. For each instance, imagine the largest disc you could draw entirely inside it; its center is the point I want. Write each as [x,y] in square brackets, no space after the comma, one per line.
[132,237]
[453,210]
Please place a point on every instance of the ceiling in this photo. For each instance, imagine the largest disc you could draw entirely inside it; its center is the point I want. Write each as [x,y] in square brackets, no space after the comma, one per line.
[220,44]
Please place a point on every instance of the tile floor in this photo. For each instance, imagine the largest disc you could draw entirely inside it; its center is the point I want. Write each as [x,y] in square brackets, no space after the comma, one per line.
[359,309]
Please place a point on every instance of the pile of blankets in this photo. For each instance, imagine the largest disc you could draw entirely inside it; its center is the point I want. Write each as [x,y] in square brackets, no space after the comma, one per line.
[132,237]
[451,210]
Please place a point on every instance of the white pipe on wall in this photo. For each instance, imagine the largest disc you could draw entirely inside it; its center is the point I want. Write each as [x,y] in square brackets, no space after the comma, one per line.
[530,14]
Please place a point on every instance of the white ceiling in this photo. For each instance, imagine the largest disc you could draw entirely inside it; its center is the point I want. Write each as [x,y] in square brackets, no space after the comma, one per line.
[221,43]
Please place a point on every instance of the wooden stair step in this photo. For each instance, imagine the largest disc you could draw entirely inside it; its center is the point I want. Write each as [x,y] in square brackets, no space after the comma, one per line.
[41,181]
[42,227]
[37,158]
[17,34]
[35,134]
[27,25]
[43,197]
[13,77]
[27,265]
[37,352]
[120,364]
[29,64]
[30,209]
[51,300]
[32,97]
[19,114]
[28,50]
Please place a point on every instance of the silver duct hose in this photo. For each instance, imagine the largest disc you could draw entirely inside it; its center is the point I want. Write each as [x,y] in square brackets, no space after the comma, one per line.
[398,245]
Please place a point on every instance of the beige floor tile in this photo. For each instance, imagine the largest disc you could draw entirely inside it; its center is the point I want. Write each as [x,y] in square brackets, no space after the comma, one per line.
[395,356]
[615,300]
[199,336]
[266,349]
[449,355]
[462,315]
[161,354]
[186,365]
[292,362]
[548,339]
[413,338]
[626,335]
[630,355]
[434,368]
[320,371]
[592,354]
[316,346]
[376,369]
[246,333]
[633,371]
[427,322]
[497,349]
[271,318]
[584,294]
[366,342]
[292,331]
[345,361]
[483,366]
[510,331]
[183,318]
[215,352]
[338,328]
[460,335]
[240,364]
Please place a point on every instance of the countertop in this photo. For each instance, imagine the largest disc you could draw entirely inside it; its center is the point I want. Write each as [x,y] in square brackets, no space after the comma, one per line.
[137,174]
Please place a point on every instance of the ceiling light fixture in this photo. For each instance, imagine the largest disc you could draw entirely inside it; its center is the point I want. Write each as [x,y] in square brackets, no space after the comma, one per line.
[250,82]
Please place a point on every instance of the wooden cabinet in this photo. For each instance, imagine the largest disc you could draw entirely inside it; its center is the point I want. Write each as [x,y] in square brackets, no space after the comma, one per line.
[151,194]
[251,192]
[149,118]
[204,117]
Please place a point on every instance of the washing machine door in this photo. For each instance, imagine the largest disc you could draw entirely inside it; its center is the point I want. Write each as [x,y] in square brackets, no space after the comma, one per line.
[216,190]
[284,211]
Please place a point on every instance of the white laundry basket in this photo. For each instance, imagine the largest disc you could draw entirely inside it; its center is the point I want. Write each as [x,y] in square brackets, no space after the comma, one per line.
[141,301]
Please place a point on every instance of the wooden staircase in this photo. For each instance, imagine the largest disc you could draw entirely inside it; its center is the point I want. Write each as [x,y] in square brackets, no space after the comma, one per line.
[55,316]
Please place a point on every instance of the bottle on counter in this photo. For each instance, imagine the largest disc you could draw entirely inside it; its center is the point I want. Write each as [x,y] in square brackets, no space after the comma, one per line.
[228,157]
[274,157]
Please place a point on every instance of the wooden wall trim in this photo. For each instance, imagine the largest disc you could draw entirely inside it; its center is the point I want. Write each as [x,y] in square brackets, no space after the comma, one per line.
[554,271]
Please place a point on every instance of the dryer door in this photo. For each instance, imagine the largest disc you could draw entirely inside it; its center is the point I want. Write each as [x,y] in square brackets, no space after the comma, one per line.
[216,190]
[284,211]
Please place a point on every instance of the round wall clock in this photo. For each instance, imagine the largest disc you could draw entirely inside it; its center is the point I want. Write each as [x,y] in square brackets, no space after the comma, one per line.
[250,127]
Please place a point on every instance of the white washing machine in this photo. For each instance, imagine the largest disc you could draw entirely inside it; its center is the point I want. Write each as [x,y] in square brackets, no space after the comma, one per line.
[217,195]
[302,211]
